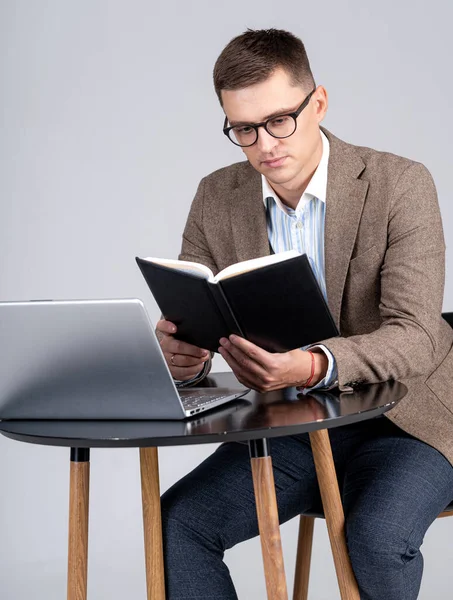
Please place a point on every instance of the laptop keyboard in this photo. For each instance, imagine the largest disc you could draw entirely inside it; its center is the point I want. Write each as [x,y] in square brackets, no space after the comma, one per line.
[200,400]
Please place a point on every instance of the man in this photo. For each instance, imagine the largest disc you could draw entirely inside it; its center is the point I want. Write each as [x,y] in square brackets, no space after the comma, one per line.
[370,222]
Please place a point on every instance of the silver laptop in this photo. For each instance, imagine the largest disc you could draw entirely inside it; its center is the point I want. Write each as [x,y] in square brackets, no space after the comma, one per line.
[90,359]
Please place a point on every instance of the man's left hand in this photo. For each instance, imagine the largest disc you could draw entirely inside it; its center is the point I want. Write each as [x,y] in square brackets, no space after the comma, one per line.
[265,371]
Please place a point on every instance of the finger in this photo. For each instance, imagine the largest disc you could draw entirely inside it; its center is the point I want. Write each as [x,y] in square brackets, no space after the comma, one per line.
[166,327]
[242,379]
[185,373]
[173,346]
[245,361]
[247,378]
[252,350]
[181,360]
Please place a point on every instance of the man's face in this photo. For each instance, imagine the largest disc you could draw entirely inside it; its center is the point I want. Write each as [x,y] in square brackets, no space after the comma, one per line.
[288,162]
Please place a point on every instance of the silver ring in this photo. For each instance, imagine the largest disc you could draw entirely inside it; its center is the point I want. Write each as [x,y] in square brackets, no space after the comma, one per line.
[172,359]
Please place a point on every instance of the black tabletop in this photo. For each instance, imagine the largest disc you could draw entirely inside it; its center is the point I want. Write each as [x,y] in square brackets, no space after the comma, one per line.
[284,412]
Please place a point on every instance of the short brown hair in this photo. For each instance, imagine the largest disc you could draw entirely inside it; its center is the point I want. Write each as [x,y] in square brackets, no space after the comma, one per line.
[255,54]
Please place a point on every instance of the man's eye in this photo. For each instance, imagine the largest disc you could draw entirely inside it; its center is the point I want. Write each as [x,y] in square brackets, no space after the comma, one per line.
[244,130]
[279,121]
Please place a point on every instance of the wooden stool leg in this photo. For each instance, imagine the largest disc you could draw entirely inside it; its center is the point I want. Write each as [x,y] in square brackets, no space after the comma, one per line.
[79,492]
[333,511]
[152,524]
[268,523]
[303,559]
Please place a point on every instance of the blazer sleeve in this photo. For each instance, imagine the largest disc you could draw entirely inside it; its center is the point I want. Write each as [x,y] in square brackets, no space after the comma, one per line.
[195,248]
[194,245]
[411,291]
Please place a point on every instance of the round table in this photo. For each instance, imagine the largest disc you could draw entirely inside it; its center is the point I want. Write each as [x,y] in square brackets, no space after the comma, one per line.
[254,419]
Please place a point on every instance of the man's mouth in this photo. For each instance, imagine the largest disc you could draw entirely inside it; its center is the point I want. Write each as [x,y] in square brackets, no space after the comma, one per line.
[274,162]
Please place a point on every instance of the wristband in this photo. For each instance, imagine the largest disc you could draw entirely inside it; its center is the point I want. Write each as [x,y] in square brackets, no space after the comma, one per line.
[312,371]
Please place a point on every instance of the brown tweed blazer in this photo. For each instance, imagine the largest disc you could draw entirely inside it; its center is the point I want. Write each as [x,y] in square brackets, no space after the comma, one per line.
[384,261]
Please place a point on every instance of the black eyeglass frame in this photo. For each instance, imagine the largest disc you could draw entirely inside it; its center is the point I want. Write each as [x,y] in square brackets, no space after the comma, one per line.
[255,126]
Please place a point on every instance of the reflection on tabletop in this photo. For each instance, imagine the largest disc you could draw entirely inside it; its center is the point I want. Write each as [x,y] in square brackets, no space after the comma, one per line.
[291,406]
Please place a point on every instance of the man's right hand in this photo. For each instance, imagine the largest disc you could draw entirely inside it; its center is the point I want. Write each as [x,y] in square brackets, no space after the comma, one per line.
[184,360]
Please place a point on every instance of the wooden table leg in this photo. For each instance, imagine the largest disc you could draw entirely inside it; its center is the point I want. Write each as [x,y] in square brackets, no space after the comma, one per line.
[152,524]
[333,511]
[268,523]
[303,560]
[79,492]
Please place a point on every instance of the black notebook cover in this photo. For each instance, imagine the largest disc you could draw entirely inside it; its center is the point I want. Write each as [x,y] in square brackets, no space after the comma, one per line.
[186,301]
[279,307]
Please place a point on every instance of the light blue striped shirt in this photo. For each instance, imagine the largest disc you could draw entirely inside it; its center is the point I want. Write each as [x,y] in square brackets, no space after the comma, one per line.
[303,230]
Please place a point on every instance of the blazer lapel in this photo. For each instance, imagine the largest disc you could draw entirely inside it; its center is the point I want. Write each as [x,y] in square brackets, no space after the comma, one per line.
[344,203]
[248,216]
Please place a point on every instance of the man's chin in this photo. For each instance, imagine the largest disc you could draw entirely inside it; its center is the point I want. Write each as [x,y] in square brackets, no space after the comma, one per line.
[279,178]
[277,175]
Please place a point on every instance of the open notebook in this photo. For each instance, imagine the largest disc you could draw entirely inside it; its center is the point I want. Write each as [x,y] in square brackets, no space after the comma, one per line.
[273,301]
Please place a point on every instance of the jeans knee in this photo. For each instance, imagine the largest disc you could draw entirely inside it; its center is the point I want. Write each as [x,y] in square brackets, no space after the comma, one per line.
[182,526]
[379,546]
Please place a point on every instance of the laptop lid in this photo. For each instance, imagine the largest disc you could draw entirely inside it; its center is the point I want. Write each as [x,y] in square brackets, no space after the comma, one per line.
[87,359]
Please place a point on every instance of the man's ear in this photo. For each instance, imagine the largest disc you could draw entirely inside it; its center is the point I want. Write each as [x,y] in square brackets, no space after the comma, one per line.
[322,103]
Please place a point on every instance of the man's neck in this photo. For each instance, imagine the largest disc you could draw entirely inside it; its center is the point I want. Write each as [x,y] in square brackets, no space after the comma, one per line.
[291,193]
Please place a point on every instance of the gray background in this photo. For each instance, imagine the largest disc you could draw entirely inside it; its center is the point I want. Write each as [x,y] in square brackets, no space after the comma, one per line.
[108,121]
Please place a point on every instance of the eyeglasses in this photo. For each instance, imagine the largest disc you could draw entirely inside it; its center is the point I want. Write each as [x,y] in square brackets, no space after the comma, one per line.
[280,126]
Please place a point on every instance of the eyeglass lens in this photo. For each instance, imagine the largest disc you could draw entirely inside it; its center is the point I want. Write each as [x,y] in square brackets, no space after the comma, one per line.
[279,127]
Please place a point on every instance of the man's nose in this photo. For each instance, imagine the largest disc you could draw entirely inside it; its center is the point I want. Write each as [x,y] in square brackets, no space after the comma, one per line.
[265,142]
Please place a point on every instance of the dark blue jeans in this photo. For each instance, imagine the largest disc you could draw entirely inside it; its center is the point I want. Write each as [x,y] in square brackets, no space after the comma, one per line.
[393,487]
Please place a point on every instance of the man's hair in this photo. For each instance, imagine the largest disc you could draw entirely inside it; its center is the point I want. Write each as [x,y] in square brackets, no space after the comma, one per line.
[254,55]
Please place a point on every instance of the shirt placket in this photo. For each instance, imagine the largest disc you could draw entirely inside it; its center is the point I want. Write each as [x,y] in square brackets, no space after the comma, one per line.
[297,230]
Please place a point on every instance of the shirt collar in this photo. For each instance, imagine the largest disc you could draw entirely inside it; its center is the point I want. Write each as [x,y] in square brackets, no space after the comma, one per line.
[316,188]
